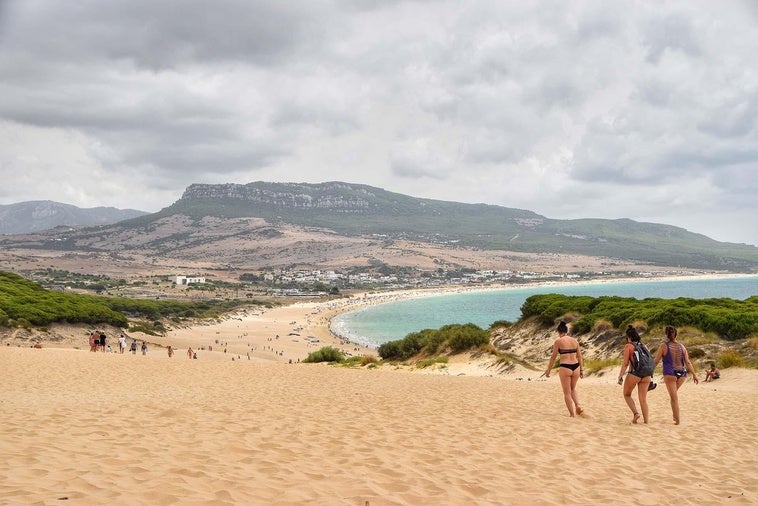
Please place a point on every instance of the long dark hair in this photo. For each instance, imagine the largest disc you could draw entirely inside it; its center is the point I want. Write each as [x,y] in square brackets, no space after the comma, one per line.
[562,328]
[670,332]
[632,334]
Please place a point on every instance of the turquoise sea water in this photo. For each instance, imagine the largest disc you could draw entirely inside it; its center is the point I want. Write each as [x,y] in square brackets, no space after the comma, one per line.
[374,325]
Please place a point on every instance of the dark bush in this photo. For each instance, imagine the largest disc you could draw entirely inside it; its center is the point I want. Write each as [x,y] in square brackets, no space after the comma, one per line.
[325,354]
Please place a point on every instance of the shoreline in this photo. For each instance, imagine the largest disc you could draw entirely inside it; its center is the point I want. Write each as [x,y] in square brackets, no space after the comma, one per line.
[287,334]
[368,299]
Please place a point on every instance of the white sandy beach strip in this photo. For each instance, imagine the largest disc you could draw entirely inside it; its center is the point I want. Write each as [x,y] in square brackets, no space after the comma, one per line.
[84,428]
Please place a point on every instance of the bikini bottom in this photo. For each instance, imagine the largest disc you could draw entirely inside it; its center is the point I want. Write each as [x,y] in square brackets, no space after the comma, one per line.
[570,366]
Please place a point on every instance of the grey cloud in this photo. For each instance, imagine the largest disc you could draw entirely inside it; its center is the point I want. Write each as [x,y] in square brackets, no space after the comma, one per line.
[438,97]
[672,33]
[167,34]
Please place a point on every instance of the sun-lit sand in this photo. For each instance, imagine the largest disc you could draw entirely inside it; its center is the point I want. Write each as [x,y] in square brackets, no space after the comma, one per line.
[89,428]
[105,428]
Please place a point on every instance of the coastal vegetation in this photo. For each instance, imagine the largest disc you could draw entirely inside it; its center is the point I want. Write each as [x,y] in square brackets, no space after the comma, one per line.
[24,303]
[728,318]
[326,354]
[456,338]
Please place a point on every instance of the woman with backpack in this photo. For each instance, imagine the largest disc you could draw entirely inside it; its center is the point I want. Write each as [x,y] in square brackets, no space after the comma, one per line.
[676,364]
[640,368]
[570,367]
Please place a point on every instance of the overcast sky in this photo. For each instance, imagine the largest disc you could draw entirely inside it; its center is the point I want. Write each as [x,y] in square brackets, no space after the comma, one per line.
[645,110]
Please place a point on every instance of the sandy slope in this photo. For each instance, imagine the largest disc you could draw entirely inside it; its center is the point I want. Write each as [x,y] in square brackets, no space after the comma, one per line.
[122,429]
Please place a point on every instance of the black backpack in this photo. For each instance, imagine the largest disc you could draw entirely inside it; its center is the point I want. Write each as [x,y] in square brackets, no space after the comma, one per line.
[642,362]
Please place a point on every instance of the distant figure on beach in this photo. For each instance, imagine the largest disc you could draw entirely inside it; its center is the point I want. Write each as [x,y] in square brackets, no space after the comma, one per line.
[133,348]
[102,341]
[94,340]
[676,364]
[636,377]
[712,373]
[121,343]
[570,367]
[144,348]
[170,352]
[189,353]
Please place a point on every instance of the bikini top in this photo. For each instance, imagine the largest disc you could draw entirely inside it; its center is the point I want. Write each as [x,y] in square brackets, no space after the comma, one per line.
[563,351]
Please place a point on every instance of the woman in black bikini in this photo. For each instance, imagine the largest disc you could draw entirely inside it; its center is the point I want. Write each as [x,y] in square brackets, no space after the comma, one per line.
[676,364]
[632,379]
[570,367]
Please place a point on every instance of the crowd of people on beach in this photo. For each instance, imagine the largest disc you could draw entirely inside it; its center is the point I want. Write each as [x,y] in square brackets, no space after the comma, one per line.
[637,368]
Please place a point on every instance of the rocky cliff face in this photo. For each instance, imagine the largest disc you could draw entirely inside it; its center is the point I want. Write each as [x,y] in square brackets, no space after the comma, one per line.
[334,196]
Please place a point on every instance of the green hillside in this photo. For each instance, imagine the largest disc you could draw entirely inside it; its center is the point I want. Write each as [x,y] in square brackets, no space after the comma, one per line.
[25,303]
[351,209]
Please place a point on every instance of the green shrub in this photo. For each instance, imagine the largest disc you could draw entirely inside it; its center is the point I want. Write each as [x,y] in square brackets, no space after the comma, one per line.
[457,337]
[500,324]
[728,318]
[696,353]
[325,354]
[730,358]
[433,361]
[593,365]
[601,325]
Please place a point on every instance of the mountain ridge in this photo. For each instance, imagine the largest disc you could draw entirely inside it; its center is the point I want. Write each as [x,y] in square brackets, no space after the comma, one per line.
[362,210]
[335,224]
[38,215]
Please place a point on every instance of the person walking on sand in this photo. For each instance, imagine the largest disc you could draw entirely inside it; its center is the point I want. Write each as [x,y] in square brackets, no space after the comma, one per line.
[170,352]
[570,367]
[637,377]
[144,348]
[121,344]
[189,353]
[676,364]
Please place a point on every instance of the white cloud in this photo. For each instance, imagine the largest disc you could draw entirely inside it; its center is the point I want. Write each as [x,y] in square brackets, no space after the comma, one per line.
[570,109]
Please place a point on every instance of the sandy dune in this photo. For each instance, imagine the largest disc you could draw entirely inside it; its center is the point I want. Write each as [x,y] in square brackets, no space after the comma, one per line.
[84,428]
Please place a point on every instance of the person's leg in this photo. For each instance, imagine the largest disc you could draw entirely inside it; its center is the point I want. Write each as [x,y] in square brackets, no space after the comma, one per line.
[642,387]
[574,394]
[672,387]
[629,383]
[565,376]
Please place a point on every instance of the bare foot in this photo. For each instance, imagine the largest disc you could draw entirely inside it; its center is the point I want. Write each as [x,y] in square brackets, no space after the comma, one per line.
[636,417]
[579,410]
[676,422]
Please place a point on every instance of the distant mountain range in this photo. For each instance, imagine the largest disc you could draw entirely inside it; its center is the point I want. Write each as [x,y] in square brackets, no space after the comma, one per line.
[360,210]
[38,215]
[246,224]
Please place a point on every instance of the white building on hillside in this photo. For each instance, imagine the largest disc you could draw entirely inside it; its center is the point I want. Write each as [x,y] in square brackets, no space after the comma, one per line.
[184,280]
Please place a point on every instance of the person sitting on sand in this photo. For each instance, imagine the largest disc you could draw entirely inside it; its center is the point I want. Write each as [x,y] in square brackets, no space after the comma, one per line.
[633,379]
[676,364]
[712,373]
[570,367]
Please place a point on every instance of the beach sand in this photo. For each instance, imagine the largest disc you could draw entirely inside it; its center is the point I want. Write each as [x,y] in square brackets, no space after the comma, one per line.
[86,428]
